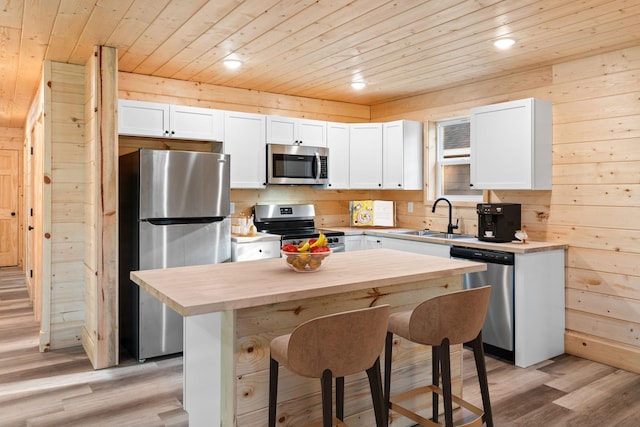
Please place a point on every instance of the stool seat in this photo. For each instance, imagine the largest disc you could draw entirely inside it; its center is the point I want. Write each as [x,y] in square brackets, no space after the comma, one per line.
[448,319]
[333,346]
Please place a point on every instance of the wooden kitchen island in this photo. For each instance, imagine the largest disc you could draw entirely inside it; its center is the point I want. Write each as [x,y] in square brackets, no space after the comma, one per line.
[233,310]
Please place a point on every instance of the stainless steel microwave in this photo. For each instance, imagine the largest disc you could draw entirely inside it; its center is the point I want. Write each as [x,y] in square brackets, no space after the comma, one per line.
[296,164]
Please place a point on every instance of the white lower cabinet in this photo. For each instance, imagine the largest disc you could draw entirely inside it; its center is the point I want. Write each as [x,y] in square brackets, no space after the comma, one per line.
[252,251]
[539,306]
[424,248]
[353,242]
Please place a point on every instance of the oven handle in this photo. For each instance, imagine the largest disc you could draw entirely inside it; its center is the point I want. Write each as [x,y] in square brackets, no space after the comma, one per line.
[338,247]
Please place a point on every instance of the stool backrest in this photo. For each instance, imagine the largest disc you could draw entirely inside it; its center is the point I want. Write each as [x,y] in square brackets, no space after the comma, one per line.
[346,343]
[458,316]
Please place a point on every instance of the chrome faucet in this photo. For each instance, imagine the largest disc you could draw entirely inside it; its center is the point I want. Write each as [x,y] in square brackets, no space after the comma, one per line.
[450,226]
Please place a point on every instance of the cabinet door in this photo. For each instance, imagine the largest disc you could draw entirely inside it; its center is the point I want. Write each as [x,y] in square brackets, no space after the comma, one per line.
[402,155]
[372,242]
[254,251]
[338,144]
[392,155]
[312,133]
[143,118]
[202,124]
[244,140]
[511,146]
[424,248]
[354,243]
[281,130]
[365,156]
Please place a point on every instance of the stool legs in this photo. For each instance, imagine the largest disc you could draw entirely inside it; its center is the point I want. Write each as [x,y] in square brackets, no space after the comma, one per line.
[445,368]
[340,398]
[441,365]
[273,391]
[388,348]
[375,383]
[478,354]
[327,407]
[435,380]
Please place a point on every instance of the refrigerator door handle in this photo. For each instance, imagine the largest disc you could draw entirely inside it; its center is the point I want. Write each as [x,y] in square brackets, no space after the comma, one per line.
[182,221]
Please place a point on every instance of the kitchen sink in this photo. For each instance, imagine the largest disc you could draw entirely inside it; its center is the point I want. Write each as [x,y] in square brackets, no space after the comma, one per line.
[413,232]
[434,234]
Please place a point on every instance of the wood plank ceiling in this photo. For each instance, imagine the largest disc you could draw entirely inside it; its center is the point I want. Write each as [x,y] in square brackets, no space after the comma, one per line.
[306,48]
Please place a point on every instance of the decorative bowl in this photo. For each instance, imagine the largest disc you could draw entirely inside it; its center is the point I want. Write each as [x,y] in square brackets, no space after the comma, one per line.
[306,262]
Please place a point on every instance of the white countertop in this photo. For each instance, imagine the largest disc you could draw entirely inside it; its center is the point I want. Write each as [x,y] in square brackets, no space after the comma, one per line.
[258,237]
[471,242]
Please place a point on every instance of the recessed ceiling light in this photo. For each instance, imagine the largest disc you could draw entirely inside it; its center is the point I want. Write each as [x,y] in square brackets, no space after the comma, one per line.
[232,64]
[358,85]
[504,43]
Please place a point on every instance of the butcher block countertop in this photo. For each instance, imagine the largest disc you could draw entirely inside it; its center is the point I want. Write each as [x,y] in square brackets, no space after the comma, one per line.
[218,287]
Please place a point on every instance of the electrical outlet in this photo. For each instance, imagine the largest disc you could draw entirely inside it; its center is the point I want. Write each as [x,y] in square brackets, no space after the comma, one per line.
[410,207]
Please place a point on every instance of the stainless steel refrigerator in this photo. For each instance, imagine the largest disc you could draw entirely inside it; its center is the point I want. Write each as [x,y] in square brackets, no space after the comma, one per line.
[173,211]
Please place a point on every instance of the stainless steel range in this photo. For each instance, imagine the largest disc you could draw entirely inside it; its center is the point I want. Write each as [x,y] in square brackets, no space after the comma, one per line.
[295,223]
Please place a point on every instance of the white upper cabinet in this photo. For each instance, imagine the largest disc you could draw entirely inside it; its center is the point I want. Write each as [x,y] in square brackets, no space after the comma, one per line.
[511,145]
[142,118]
[402,155]
[170,121]
[365,156]
[244,141]
[196,123]
[338,144]
[289,130]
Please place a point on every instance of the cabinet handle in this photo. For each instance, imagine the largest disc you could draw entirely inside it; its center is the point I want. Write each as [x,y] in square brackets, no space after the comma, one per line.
[30,228]
[13,214]
[470,185]
[399,185]
[166,132]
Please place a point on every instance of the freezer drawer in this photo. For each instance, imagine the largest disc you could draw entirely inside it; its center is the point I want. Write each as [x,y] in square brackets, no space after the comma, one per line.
[174,245]
[184,243]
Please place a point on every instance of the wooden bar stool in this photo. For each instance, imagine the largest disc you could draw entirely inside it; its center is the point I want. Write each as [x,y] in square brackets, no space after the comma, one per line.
[448,319]
[330,347]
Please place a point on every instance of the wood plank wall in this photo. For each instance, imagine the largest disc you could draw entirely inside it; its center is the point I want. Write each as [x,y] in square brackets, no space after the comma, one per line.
[91,236]
[65,180]
[594,205]
[100,330]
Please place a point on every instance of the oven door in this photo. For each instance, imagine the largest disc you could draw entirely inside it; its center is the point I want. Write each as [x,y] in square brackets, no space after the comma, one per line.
[296,164]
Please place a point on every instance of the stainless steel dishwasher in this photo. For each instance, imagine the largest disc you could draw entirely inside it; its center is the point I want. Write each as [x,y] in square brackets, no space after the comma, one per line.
[498,330]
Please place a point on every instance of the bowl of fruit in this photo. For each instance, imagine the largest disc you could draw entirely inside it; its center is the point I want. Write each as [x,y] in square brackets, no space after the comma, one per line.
[308,256]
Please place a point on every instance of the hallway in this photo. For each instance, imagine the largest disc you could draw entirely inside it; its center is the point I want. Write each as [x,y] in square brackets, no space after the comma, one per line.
[60,388]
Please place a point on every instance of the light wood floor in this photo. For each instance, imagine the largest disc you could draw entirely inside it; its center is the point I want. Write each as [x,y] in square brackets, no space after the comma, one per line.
[60,388]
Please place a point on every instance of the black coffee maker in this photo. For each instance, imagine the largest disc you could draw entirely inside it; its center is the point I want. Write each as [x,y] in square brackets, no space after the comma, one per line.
[498,222]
